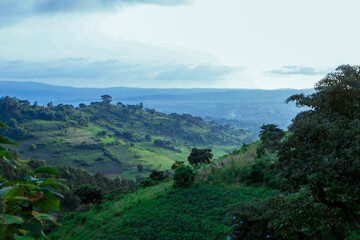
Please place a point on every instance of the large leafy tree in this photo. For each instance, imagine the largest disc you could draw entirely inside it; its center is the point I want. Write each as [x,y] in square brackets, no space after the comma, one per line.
[198,156]
[323,152]
[271,136]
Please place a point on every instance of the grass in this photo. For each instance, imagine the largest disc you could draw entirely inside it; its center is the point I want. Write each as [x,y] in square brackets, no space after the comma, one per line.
[160,212]
[66,142]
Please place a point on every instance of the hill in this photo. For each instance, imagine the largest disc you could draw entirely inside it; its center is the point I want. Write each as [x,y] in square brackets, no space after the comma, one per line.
[252,107]
[124,140]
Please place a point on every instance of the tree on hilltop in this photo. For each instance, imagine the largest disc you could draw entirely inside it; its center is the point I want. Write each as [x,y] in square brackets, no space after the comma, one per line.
[106,98]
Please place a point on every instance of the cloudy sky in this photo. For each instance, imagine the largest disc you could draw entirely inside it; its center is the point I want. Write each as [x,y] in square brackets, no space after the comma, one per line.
[177,43]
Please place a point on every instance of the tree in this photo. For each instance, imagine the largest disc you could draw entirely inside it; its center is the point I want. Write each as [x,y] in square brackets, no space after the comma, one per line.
[82,105]
[322,153]
[106,98]
[50,105]
[271,136]
[200,156]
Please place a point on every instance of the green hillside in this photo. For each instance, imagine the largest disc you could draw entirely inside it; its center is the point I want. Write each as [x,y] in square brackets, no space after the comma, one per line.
[120,139]
[202,211]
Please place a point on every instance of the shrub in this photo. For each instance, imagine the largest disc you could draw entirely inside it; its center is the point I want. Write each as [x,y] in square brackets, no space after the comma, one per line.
[177,164]
[158,175]
[250,220]
[183,176]
[89,194]
[140,168]
[148,182]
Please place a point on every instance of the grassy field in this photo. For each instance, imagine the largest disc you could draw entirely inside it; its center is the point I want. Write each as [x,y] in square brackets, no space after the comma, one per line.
[160,212]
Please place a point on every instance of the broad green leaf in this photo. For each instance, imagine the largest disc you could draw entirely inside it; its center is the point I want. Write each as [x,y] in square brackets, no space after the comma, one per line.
[51,201]
[52,190]
[10,219]
[48,170]
[29,186]
[52,182]
[34,226]
[58,184]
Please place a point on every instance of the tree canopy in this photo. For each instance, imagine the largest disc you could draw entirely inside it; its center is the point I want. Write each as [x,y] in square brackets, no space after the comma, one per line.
[198,156]
[322,153]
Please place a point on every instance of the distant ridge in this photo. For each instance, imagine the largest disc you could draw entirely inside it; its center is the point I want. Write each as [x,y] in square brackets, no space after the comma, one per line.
[256,106]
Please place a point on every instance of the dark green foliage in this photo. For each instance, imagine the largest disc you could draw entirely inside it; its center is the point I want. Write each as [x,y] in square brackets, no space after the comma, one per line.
[27,202]
[271,136]
[323,153]
[147,137]
[140,167]
[251,220]
[198,156]
[156,175]
[89,194]
[164,144]
[258,171]
[101,133]
[147,182]
[154,178]
[183,176]
[295,217]
[77,177]
[177,164]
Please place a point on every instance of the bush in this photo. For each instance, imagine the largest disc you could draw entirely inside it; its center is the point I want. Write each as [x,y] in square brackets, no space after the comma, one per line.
[250,220]
[158,176]
[177,164]
[183,177]
[148,182]
[140,168]
[89,194]
[291,217]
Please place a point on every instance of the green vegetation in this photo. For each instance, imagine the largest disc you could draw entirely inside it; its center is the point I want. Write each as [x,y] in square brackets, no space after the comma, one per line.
[199,156]
[183,176]
[301,184]
[26,203]
[308,180]
[113,139]
[159,213]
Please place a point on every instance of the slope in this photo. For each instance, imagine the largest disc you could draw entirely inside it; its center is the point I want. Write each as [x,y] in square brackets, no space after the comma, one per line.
[121,140]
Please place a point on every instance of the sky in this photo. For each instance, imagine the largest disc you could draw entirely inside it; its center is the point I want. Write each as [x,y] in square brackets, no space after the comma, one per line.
[177,43]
